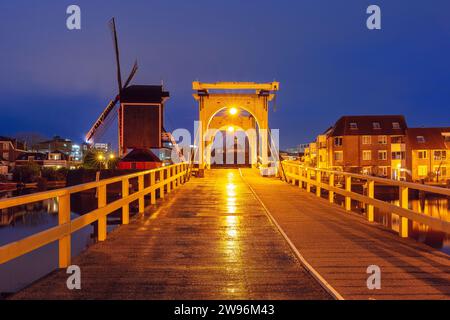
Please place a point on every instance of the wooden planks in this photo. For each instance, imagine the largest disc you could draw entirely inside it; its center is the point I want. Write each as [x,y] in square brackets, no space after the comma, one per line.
[210,239]
[341,245]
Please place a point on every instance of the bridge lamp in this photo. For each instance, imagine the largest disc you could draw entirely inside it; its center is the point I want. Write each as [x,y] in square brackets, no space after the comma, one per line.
[233,111]
[100,157]
[230,129]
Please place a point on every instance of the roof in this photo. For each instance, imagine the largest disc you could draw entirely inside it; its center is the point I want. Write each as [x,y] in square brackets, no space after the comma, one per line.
[432,138]
[144,94]
[140,155]
[364,125]
[40,155]
[2,138]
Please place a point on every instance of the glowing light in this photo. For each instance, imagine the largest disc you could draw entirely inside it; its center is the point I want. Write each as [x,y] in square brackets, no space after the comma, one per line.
[233,111]
[100,157]
[111,156]
[230,129]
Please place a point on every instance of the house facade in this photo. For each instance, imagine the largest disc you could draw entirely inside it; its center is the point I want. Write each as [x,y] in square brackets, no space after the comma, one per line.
[429,150]
[374,145]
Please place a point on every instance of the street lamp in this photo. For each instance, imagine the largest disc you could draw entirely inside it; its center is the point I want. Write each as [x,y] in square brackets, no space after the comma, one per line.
[233,111]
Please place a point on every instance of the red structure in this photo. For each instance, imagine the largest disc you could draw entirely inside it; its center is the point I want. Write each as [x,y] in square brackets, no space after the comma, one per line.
[140,159]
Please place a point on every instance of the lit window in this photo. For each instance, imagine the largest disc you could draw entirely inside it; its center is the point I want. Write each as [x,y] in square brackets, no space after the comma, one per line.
[376,125]
[338,141]
[420,139]
[422,154]
[395,125]
[383,171]
[440,155]
[367,155]
[382,139]
[338,155]
[353,126]
[422,171]
[366,139]
[382,155]
[398,155]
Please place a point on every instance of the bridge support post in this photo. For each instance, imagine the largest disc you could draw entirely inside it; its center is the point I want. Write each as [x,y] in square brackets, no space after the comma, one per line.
[101,192]
[371,195]
[293,172]
[403,197]
[301,176]
[125,208]
[348,188]
[308,180]
[153,193]
[64,242]
[318,182]
[330,192]
[141,198]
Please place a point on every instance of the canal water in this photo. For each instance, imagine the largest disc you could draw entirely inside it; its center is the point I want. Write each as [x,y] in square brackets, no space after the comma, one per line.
[22,221]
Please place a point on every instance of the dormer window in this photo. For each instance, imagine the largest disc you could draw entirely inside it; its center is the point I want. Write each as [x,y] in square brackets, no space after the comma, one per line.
[395,125]
[376,125]
[420,139]
[353,126]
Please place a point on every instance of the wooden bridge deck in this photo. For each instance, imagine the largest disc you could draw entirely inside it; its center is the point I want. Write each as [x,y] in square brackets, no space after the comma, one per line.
[340,246]
[210,239]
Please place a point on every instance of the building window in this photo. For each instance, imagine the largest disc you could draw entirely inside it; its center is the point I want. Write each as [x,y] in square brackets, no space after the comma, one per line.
[376,125]
[398,155]
[353,126]
[337,141]
[422,154]
[383,171]
[367,155]
[422,171]
[367,170]
[443,171]
[367,140]
[397,139]
[440,155]
[420,139]
[338,156]
[395,125]
[382,155]
[382,139]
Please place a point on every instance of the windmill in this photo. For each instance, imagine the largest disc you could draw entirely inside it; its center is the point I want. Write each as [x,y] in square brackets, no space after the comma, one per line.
[100,123]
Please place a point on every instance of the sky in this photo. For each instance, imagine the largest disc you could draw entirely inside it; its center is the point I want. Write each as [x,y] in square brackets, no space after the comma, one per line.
[57,81]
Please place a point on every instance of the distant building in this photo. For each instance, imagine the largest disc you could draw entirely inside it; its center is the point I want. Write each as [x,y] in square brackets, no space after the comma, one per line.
[10,149]
[430,154]
[56,144]
[56,159]
[104,147]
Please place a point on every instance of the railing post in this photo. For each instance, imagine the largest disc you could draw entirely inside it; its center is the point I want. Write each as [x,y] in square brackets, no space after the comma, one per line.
[141,198]
[153,193]
[318,182]
[403,226]
[293,174]
[64,242]
[348,188]
[169,183]
[300,177]
[126,207]
[101,192]
[308,180]
[162,178]
[371,195]
[330,192]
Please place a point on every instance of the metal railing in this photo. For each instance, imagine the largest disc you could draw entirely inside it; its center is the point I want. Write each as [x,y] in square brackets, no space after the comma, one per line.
[165,179]
[307,177]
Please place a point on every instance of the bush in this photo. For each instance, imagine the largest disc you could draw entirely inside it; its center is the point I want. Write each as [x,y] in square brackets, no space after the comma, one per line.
[51,174]
[27,173]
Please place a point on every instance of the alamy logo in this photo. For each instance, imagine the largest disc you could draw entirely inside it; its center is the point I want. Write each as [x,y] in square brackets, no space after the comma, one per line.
[374,280]
[73,21]
[74,281]
[374,20]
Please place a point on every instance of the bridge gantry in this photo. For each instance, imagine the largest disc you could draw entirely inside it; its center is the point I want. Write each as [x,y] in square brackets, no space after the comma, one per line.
[227,105]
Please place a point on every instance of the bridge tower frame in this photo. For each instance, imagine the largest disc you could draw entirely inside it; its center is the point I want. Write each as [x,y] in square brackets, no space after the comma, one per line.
[215,97]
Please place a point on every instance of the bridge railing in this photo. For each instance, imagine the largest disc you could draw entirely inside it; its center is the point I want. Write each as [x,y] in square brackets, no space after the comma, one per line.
[163,179]
[308,177]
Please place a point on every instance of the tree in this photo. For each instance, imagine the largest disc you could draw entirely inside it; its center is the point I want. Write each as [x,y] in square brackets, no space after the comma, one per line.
[27,173]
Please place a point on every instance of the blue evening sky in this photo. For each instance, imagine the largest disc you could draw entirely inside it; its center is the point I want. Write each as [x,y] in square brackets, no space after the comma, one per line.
[57,81]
